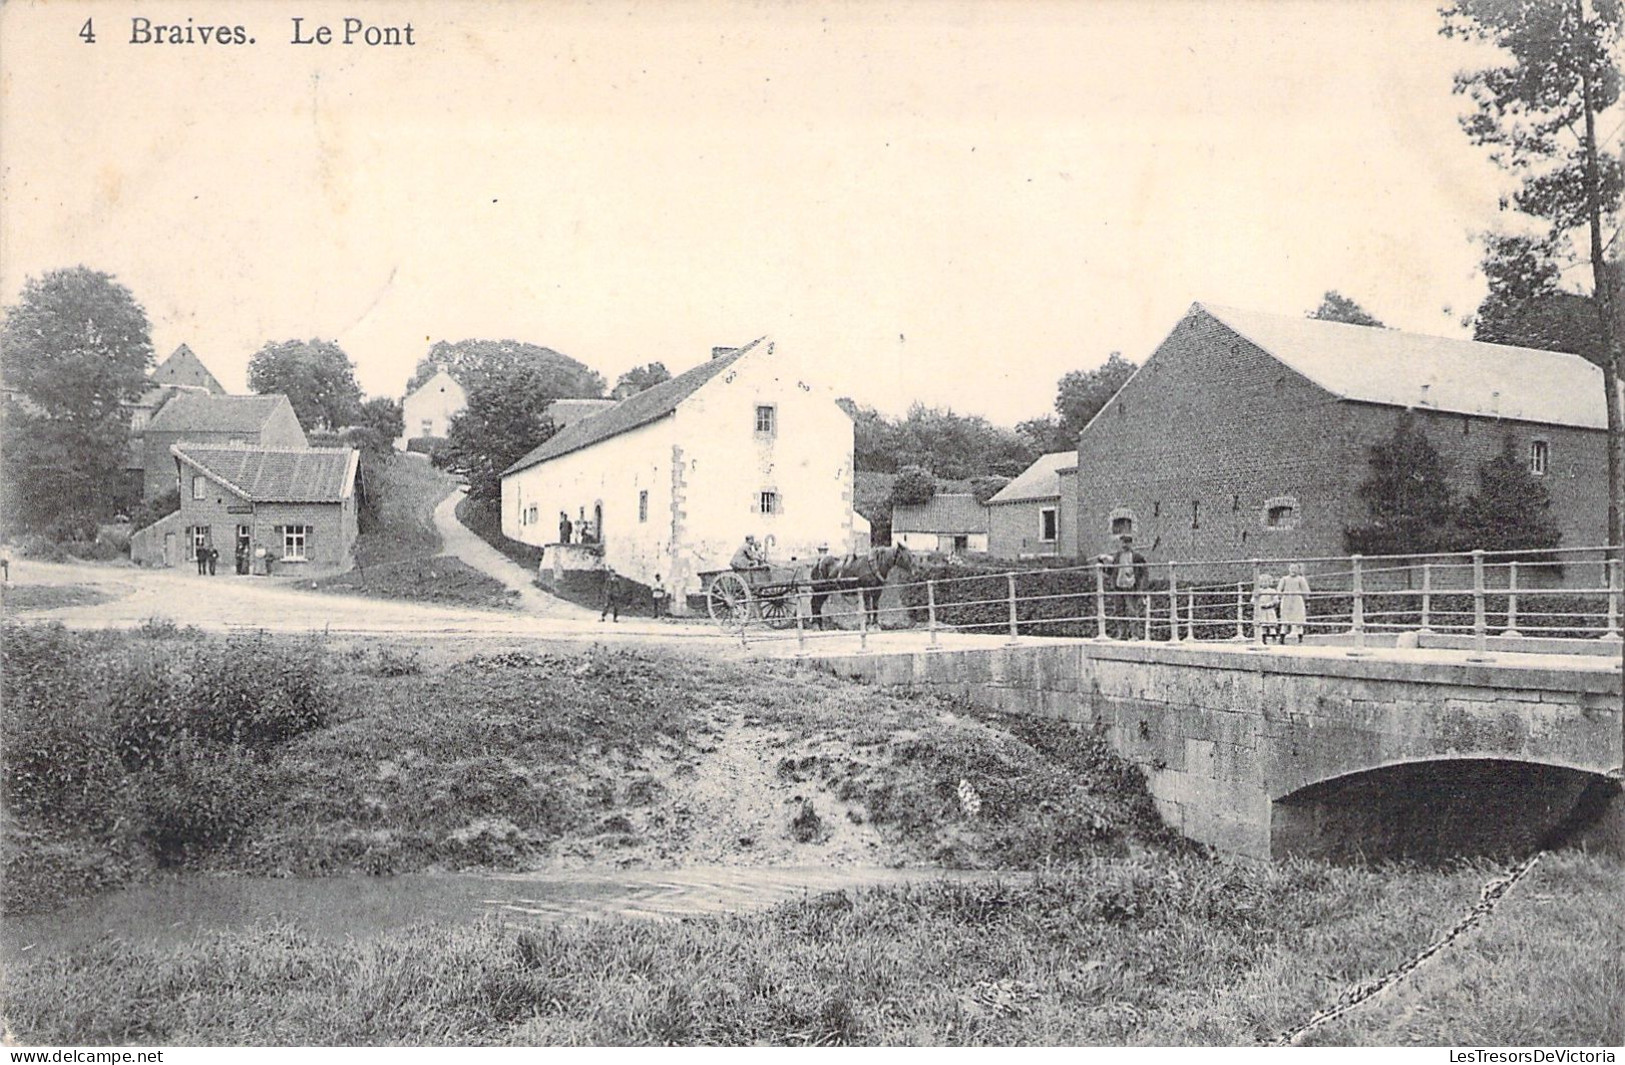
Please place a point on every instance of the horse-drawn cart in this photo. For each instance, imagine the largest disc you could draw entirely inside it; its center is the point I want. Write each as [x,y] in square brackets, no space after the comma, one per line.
[768,593]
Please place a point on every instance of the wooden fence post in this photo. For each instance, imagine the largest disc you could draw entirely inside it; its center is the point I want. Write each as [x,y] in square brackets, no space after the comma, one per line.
[1015,632]
[1100,601]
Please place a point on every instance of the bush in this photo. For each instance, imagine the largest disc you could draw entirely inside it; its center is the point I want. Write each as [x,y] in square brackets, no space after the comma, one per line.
[432,446]
[152,510]
[200,798]
[914,486]
[254,692]
[985,488]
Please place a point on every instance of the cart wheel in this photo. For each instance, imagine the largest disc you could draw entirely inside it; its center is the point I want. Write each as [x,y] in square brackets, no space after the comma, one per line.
[779,612]
[728,600]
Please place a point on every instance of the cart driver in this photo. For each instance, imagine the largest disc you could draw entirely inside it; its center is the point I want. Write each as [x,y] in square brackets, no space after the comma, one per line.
[749,555]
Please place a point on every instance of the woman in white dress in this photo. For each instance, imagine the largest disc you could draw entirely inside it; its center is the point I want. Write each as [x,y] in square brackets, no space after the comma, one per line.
[1294,611]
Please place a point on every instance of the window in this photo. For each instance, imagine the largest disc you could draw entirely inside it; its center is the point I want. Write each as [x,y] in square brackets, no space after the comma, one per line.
[200,485]
[198,536]
[766,420]
[1046,525]
[428,427]
[1122,522]
[295,539]
[1281,513]
[138,420]
[769,502]
[643,505]
[531,514]
[1539,453]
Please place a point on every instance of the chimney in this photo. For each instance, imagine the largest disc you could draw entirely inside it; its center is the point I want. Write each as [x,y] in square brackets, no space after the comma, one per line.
[719,353]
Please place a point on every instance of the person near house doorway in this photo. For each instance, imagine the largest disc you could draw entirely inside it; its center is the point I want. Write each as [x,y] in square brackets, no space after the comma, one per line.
[660,595]
[214,559]
[1126,574]
[612,594]
[565,527]
[200,555]
[242,558]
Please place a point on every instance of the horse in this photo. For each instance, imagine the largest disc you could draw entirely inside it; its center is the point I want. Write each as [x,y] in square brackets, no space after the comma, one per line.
[832,574]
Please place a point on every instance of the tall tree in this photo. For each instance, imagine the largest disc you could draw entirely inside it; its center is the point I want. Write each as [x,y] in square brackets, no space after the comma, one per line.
[1538,113]
[76,346]
[1526,305]
[382,415]
[476,362]
[1407,498]
[1510,511]
[1080,394]
[503,421]
[1336,307]
[640,378]
[315,375]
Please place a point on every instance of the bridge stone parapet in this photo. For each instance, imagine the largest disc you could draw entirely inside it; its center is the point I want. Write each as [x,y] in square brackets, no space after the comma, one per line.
[1227,736]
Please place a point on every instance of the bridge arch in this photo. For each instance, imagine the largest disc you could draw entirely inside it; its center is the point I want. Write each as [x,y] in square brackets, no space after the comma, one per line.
[1432,809]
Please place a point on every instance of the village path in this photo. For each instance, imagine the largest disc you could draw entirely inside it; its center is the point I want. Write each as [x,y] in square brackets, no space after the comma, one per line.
[460,542]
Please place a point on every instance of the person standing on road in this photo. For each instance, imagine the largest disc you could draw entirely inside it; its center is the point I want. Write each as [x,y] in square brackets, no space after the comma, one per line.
[612,594]
[214,559]
[200,554]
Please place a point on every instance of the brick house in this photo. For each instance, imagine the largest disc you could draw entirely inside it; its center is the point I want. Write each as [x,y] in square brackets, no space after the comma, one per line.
[951,522]
[297,503]
[1037,513]
[1246,435]
[182,372]
[201,418]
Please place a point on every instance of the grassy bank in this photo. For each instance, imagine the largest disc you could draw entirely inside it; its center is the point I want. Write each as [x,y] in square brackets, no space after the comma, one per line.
[395,759]
[399,556]
[1163,950]
[30,598]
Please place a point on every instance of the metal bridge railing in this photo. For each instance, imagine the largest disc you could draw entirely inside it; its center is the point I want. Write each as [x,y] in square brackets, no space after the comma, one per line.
[1477,595]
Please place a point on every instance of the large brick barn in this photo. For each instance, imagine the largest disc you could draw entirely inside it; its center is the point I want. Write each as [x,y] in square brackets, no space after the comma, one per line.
[1246,435]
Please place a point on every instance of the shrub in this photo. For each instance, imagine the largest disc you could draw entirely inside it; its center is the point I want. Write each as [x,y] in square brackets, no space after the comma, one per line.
[914,485]
[253,692]
[432,446]
[200,798]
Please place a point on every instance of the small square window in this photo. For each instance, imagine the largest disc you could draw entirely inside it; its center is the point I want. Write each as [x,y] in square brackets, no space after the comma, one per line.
[643,505]
[1539,455]
[1280,513]
[295,539]
[769,502]
[766,420]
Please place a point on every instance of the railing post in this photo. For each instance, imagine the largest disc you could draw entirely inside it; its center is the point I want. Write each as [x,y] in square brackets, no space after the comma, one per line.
[1480,629]
[1258,625]
[801,624]
[1512,601]
[1173,604]
[1611,579]
[1357,610]
[1241,616]
[1015,632]
[1148,615]
[931,608]
[1190,614]
[1427,598]
[1100,601]
[863,622]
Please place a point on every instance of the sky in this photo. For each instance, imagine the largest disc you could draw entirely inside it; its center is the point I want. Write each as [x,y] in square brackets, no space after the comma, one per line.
[950,203]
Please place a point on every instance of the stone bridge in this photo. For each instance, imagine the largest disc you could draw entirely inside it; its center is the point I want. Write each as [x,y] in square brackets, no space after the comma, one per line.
[1313,750]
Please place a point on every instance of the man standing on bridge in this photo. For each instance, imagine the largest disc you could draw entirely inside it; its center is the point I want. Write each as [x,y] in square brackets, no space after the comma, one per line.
[1126,574]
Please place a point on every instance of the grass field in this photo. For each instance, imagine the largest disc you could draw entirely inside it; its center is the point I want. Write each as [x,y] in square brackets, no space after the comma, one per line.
[27,598]
[400,557]
[285,757]
[1156,951]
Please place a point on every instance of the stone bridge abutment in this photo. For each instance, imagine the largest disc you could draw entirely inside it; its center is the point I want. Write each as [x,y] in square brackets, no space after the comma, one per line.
[1272,753]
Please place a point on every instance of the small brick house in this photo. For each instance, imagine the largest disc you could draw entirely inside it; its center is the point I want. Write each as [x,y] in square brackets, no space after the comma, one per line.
[1037,513]
[194,417]
[299,504]
[182,372]
[1247,435]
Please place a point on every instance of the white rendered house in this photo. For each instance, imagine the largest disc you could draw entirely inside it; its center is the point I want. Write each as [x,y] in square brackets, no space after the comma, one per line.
[428,409]
[673,478]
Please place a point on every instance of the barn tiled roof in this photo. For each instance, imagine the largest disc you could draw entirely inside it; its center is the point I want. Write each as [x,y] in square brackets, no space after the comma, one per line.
[277,475]
[649,405]
[946,513]
[1041,480]
[196,412]
[1426,372]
